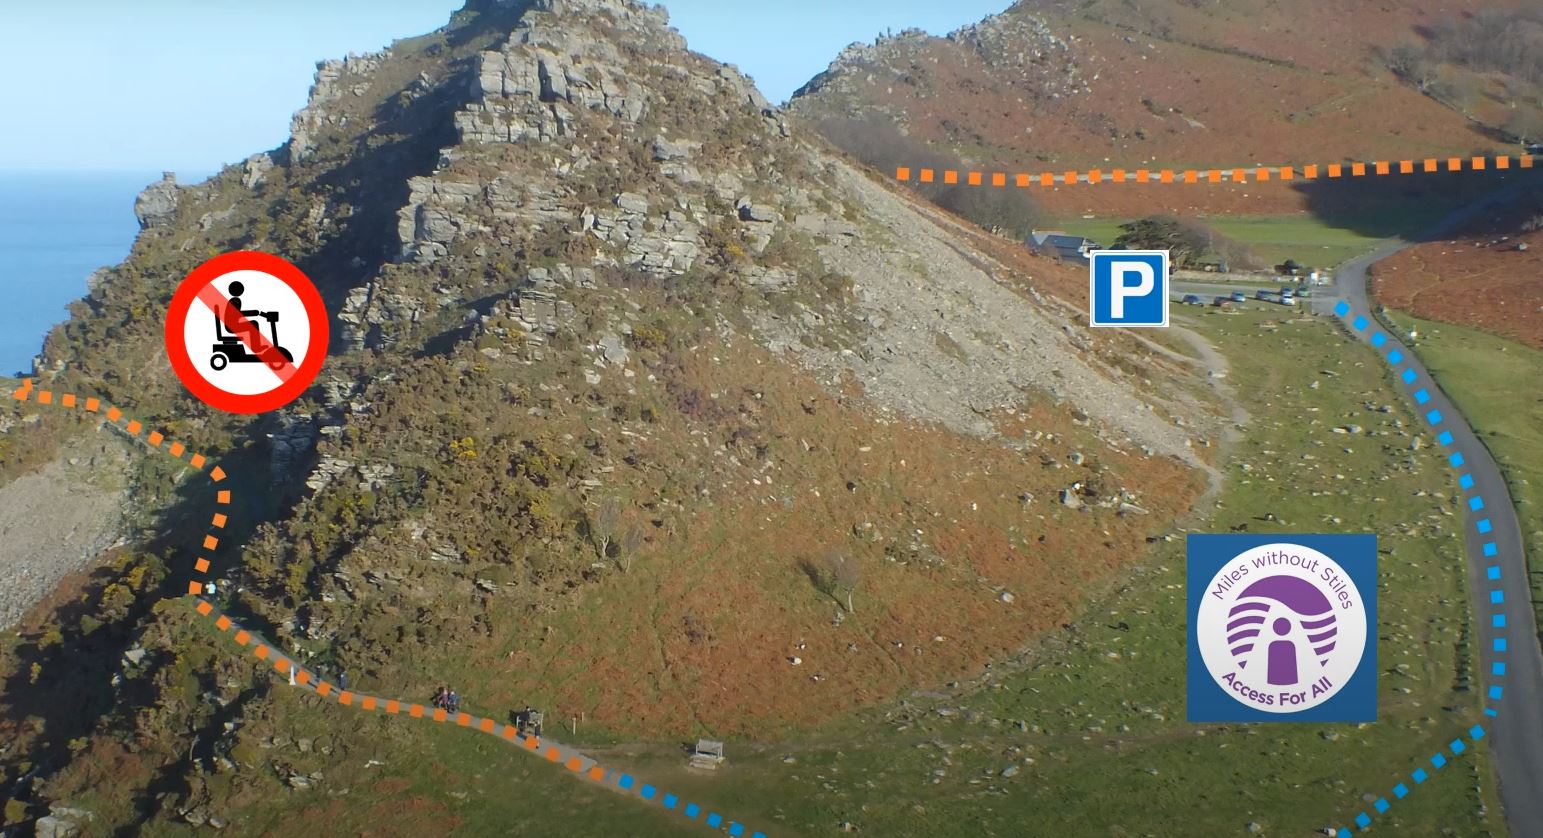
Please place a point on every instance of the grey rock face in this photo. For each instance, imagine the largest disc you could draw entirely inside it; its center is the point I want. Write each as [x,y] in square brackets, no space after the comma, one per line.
[157,205]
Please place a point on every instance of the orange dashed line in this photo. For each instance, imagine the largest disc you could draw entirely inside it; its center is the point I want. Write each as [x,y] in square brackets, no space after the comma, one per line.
[210,542]
[973,178]
[223,496]
[1022,179]
[205,608]
[1214,175]
[553,755]
[1526,161]
[1095,176]
[133,427]
[393,706]
[195,588]
[1166,176]
[217,474]
[1454,164]
[999,179]
[176,449]
[462,719]
[510,732]
[1310,172]
[242,637]
[1261,174]
[219,520]
[950,177]
[440,714]
[302,677]
[532,743]
[261,652]
[1502,162]
[1046,179]
[368,703]
[1405,167]
[1191,176]
[596,773]
[1286,173]
[1478,164]
[92,405]
[1432,164]
[1143,175]
[903,173]
[1069,177]
[223,623]
[574,763]
[1119,175]
[280,665]
[323,689]
[1335,170]
[486,726]
[416,711]
[926,175]
[67,400]
[1357,169]
[155,439]
[202,565]
[345,697]
[114,414]
[196,461]
[45,397]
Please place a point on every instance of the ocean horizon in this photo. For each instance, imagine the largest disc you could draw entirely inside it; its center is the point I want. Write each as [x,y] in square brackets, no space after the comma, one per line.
[56,227]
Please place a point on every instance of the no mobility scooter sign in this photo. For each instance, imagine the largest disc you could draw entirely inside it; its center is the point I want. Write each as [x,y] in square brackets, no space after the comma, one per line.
[246,332]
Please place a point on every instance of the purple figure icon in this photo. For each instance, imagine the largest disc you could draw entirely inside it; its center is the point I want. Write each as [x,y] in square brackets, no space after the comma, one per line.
[1282,667]
[1308,607]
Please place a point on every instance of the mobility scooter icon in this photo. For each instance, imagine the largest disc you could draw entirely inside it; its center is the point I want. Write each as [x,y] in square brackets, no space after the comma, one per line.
[230,348]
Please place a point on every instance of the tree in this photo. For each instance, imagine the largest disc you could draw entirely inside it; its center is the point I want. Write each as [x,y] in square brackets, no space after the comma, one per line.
[843,576]
[1525,124]
[604,523]
[627,545]
[1186,243]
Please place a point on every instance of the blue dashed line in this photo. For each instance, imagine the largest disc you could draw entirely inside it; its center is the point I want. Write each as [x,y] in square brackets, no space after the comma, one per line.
[1484,526]
[714,820]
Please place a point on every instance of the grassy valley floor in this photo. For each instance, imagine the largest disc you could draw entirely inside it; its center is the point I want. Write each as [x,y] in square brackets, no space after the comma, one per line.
[1498,384]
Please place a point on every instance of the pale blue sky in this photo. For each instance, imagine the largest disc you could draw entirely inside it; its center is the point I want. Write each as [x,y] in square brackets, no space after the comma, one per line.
[189,85]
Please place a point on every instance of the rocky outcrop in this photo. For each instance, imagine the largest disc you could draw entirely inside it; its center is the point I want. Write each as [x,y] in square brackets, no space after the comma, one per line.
[156,206]
[334,78]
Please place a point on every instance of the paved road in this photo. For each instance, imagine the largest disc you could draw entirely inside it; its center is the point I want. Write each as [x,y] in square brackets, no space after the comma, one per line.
[1517,732]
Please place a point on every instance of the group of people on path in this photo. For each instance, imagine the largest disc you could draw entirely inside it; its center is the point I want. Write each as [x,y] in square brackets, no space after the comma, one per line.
[447,700]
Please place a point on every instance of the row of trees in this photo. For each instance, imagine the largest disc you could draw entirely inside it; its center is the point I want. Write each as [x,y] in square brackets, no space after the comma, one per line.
[1188,242]
[1447,64]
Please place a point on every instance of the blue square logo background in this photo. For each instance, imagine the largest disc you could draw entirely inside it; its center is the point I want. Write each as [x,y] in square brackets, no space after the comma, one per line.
[1356,701]
[1149,309]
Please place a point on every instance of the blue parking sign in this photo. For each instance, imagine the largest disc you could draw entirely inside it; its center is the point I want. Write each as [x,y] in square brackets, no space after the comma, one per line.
[1128,288]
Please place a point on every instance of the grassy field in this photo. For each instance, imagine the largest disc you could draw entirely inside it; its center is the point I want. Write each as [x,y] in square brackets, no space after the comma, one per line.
[1308,239]
[1086,733]
[1497,383]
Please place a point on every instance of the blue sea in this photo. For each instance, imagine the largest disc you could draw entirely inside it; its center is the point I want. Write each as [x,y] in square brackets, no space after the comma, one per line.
[55,229]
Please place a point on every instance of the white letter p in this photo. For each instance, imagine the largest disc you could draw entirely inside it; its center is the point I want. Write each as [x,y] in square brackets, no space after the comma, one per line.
[1120,290]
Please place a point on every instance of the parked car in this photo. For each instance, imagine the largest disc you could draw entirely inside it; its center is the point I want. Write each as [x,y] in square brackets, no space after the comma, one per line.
[1287,291]
[1263,294]
[1192,300]
[1288,300]
[1239,296]
[1222,302]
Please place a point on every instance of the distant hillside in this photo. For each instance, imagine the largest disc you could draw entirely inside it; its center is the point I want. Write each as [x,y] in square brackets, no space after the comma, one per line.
[1052,85]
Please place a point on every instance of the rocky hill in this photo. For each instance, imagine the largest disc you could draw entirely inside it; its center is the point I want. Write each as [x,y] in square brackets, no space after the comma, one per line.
[1052,85]
[625,368]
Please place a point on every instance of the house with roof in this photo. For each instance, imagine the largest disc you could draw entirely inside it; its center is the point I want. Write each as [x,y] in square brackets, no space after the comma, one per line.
[1058,245]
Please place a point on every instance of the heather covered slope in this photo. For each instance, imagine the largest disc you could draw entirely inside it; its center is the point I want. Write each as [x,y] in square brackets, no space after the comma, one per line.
[1058,85]
[626,366]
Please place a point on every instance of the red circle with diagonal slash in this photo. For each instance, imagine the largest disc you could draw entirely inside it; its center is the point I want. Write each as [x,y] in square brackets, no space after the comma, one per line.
[290,386]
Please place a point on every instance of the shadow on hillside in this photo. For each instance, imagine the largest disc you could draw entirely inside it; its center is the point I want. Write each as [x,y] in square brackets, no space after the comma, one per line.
[1409,206]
